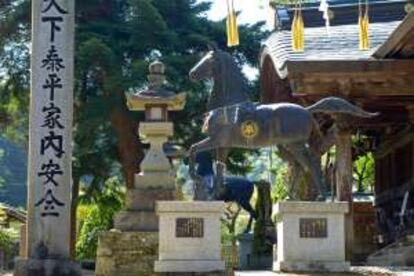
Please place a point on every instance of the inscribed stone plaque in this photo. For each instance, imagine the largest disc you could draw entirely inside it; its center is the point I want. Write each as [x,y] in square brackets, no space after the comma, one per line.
[189,228]
[50,143]
[313,227]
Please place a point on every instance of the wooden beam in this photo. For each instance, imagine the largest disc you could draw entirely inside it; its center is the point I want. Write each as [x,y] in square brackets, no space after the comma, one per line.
[397,40]
[348,66]
[375,102]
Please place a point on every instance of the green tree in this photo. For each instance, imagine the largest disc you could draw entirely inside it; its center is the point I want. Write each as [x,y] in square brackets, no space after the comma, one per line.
[364,172]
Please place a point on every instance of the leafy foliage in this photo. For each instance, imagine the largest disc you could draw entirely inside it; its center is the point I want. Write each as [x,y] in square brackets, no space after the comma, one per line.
[8,239]
[364,174]
[97,217]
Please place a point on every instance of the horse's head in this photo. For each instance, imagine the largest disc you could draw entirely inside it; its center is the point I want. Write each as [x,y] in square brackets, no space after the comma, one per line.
[204,68]
[230,86]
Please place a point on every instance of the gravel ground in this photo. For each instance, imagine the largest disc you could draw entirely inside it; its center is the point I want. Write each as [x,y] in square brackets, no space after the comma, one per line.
[355,271]
[10,273]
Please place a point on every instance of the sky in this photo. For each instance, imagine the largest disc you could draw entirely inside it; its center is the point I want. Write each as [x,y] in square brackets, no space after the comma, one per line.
[252,11]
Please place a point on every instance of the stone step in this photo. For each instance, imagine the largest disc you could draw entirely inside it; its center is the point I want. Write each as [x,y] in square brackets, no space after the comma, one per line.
[136,221]
[388,260]
[142,199]
[398,254]
[155,180]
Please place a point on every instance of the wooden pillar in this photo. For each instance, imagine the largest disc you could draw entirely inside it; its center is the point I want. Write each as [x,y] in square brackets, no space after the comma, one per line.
[344,166]
[410,110]
[344,181]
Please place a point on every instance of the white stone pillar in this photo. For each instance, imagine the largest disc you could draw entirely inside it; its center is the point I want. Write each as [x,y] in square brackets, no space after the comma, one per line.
[50,141]
[50,150]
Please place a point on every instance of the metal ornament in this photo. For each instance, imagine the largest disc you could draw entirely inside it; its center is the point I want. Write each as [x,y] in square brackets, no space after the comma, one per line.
[249,129]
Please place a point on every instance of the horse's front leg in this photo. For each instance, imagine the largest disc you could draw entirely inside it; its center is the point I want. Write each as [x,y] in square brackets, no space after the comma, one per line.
[200,192]
[221,157]
[203,145]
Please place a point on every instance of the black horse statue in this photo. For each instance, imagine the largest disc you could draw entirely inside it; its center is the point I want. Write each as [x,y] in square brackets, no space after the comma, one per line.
[236,189]
[234,121]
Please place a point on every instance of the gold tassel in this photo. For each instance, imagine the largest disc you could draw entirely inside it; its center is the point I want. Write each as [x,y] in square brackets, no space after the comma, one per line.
[363,22]
[294,31]
[301,31]
[231,24]
[298,29]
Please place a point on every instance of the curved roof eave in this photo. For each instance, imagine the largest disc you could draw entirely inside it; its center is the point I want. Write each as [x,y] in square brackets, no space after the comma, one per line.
[341,44]
[281,69]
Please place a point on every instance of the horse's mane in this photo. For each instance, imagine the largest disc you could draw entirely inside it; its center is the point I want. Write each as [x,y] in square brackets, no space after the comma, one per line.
[230,85]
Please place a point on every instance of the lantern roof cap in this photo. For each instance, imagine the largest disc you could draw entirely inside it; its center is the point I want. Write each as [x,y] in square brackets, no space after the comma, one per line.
[155,94]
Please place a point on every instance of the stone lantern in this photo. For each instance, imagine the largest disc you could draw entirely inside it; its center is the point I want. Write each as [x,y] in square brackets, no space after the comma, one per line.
[156,102]
[136,226]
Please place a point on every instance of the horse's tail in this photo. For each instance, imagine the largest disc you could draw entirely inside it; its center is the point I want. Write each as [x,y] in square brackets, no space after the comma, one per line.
[337,106]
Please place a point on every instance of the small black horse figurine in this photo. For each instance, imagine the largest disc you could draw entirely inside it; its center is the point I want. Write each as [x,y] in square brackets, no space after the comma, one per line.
[236,189]
[236,122]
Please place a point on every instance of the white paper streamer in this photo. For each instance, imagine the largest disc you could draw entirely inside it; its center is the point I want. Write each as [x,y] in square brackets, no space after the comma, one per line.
[324,7]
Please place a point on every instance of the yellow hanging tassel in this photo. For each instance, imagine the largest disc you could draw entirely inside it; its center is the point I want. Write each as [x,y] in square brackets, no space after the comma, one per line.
[231,24]
[294,31]
[363,22]
[301,31]
[298,30]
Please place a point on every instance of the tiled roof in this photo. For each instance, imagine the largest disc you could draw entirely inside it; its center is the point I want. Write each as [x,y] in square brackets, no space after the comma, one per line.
[341,44]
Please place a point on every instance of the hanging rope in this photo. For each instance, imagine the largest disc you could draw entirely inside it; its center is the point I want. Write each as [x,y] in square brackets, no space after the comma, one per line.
[298,28]
[363,22]
[231,24]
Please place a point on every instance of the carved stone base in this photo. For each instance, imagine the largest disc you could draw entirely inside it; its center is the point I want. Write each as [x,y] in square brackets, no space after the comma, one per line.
[126,253]
[136,221]
[139,214]
[47,267]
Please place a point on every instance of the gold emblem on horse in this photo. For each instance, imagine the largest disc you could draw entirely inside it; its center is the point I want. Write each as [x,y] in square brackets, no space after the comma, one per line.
[249,129]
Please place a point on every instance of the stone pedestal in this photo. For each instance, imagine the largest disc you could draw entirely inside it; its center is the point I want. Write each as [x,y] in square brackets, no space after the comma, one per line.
[190,239]
[311,237]
[139,214]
